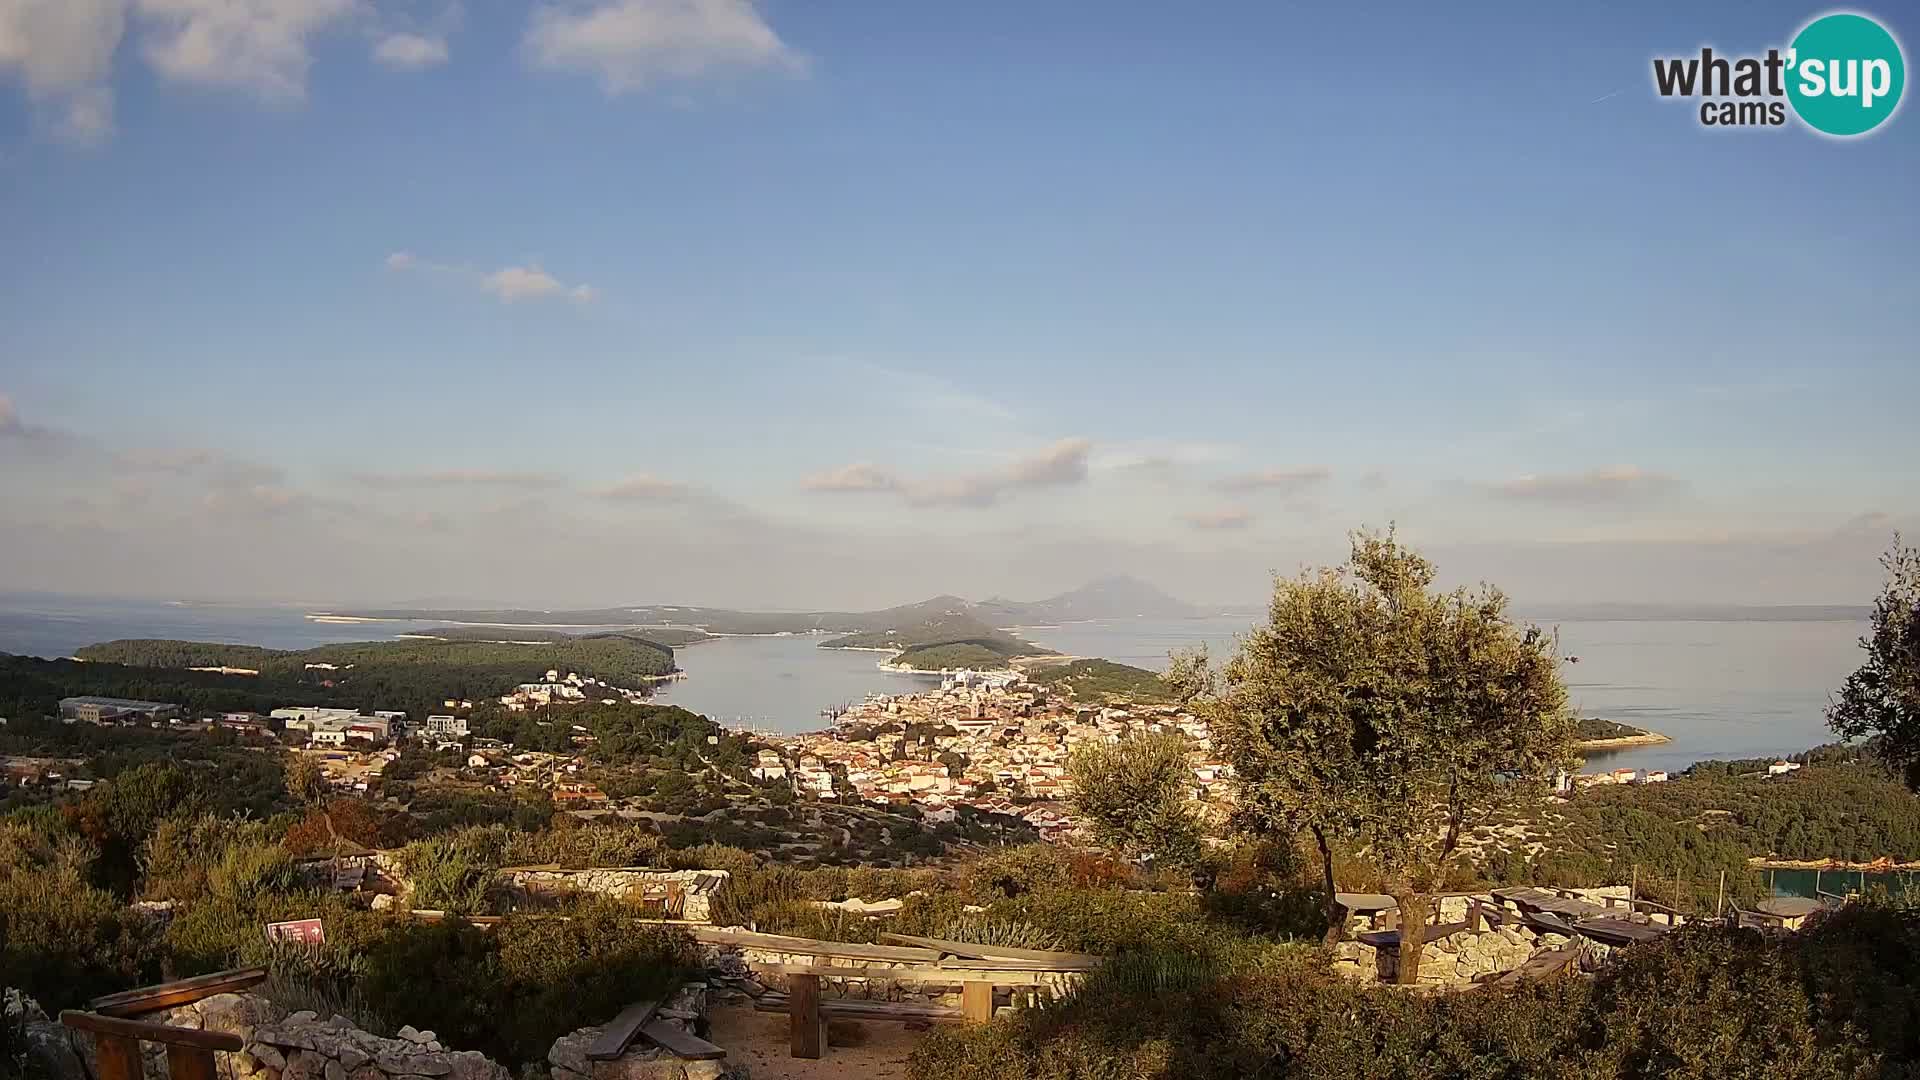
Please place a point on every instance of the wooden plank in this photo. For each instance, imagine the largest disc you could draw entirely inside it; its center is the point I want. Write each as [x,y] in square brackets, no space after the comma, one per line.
[189,1063]
[976,1001]
[1539,966]
[620,1031]
[858,1009]
[914,975]
[837,949]
[140,1030]
[1619,931]
[148,999]
[806,1027]
[1056,966]
[992,952]
[1360,903]
[116,1057]
[682,1043]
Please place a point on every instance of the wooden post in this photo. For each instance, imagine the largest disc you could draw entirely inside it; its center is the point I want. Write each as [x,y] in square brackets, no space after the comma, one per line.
[1720,902]
[119,1057]
[1633,888]
[976,1001]
[1473,915]
[808,1029]
[189,1063]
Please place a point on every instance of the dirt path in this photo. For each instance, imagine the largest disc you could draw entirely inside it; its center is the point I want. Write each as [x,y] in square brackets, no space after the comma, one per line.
[760,1040]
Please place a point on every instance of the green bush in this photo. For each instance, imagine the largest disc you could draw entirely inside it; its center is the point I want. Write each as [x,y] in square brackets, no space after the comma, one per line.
[1839,999]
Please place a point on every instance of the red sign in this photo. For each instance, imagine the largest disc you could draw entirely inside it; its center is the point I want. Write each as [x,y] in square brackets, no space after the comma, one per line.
[300,931]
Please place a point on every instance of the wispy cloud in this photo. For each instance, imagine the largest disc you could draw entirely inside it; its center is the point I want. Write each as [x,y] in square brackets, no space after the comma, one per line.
[404,51]
[1059,464]
[458,478]
[509,284]
[1615,483]
[859,476]
[1222,520]
[632,44]
[644,487]
[1283,481]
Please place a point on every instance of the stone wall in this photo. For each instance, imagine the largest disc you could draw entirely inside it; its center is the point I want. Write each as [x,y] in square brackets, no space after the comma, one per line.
[696,887]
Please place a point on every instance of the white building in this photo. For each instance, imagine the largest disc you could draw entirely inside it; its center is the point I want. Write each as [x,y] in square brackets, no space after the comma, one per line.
[447,726]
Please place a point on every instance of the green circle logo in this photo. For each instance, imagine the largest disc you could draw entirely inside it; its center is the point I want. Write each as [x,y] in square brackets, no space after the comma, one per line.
[1845,74]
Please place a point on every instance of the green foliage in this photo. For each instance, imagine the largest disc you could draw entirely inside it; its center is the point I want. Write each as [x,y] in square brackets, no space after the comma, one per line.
[1882,698]
[1134,795]
[62,940]
[1837,1000]
[1101,681]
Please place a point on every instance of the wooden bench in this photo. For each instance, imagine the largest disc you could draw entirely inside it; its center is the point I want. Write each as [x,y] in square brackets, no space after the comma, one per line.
[977,969]
[117,1038]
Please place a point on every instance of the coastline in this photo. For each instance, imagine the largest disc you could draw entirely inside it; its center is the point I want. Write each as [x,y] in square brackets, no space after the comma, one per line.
[1646,738]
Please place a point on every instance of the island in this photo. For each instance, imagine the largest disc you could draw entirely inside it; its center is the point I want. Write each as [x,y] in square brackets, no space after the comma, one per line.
[1594,733]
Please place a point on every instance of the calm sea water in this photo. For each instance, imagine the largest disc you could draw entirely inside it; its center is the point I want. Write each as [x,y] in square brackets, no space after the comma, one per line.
[1719,689]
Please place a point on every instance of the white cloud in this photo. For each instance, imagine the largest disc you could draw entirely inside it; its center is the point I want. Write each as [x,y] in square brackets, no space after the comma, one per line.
[1226,519]
[255,45]
[630,44]
[410,52]
[859,476]
[62,50]
[644,487]
[458,478]
[1059,464]
[1285,481]
[1615,483]
[509,283]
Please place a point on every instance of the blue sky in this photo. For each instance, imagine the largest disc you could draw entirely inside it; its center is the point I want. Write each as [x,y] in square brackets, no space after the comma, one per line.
[846,304]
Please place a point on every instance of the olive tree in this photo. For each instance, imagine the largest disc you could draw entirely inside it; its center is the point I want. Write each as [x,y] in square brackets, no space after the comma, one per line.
[1134,795]
[1882,698]
[1387,718]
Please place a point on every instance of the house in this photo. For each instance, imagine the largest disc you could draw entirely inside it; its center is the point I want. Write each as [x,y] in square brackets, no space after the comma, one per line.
[1782,768]
[328,737]
[447,726]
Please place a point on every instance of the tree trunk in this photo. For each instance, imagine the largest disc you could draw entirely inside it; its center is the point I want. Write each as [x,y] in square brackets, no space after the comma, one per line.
[1336,916]
[1413,935]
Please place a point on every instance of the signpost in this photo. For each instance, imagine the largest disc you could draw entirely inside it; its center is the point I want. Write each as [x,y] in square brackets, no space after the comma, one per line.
[298,931]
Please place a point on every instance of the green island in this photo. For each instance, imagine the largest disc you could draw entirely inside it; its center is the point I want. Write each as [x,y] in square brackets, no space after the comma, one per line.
[1593,732]
[945,639]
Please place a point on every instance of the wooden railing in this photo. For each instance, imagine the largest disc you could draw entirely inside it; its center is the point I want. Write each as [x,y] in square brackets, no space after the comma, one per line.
[190,1051]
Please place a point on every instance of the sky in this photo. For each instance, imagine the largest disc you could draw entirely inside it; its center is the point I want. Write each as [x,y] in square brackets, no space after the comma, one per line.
[785,304]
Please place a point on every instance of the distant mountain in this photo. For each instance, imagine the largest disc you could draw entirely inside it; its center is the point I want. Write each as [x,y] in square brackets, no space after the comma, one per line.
[1108,598]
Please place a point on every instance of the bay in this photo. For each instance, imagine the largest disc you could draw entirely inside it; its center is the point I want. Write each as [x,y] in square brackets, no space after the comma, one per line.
[1718,689]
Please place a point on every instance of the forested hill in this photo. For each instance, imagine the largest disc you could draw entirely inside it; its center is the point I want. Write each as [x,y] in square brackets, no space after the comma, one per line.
[964,641]
[415,675]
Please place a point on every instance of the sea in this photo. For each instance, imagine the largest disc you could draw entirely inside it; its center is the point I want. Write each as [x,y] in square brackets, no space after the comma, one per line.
[1717,689]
